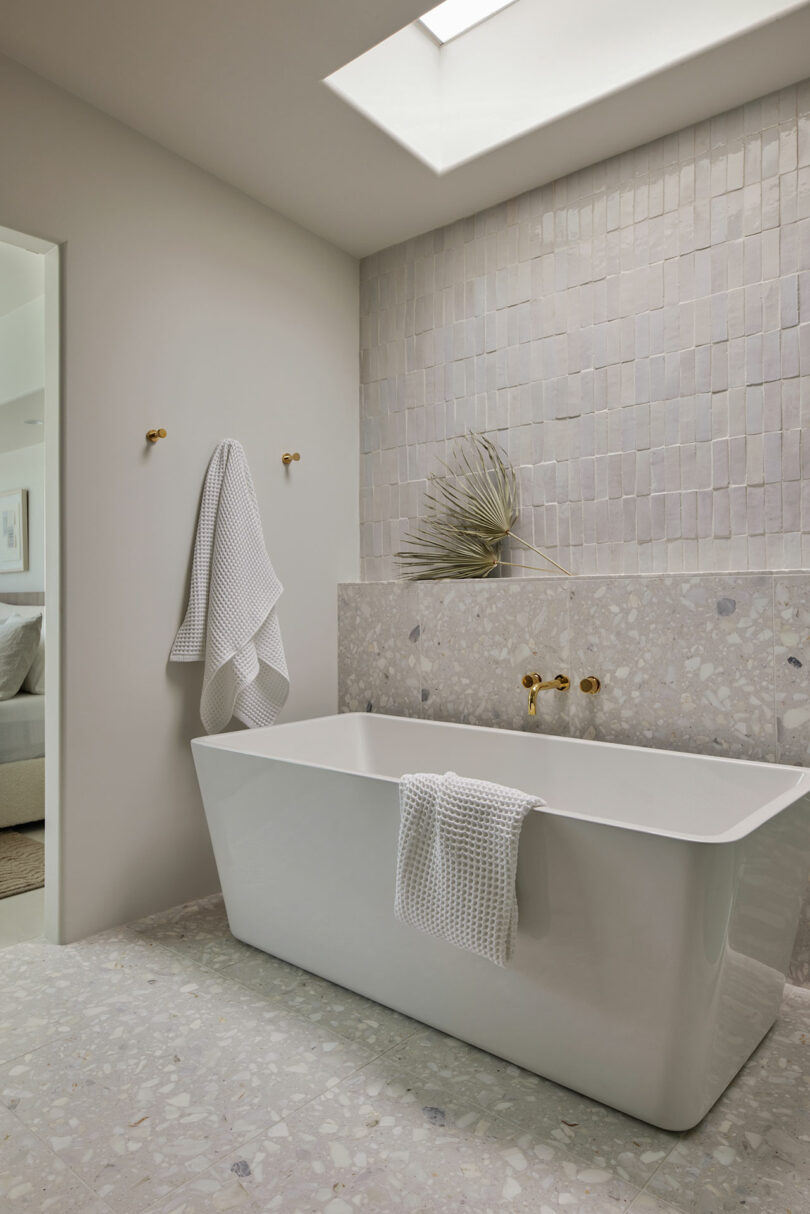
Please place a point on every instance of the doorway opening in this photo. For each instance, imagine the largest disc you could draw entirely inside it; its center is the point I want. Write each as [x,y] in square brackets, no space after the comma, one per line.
[29,587]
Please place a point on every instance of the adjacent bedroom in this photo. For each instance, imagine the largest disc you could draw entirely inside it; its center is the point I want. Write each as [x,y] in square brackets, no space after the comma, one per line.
[22,594]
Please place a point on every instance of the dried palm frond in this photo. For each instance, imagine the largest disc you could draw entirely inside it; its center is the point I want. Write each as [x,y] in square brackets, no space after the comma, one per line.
[441,551]
[479,494]
[472,509]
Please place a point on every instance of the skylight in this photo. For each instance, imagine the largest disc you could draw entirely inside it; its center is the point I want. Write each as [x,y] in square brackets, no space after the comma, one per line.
[455,17]
[471,75]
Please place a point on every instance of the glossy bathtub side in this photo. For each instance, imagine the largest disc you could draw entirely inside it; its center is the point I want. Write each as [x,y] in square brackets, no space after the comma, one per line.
[646,968]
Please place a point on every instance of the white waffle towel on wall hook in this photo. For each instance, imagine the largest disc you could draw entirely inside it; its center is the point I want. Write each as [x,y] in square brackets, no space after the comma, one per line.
[231,622]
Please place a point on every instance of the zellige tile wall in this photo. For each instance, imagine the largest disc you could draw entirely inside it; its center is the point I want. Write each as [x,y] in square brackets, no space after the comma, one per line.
[637,335]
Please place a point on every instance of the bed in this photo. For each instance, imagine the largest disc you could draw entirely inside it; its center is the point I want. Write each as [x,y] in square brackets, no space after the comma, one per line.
[22,747]
[22,761]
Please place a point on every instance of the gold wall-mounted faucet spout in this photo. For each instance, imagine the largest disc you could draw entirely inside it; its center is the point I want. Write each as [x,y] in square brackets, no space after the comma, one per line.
[535,683]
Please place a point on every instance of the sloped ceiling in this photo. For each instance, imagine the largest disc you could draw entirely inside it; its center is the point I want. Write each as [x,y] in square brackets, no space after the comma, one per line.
[236,87]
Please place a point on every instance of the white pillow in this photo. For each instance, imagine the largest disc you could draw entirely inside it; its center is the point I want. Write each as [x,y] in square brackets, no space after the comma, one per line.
[19,639]
[35,679]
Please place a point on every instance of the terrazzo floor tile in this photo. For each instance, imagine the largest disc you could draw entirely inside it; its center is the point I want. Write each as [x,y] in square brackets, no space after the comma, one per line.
[196,930]
[378,649]
[320,1002]
[479,640]
[49,992]
[648,1203]
[555,1114]
[378,1144]
[752,1151]
[172,1088]
[686,663]
[38,997]
[209,1064]
[106,986]
[201,933]
[33,1180]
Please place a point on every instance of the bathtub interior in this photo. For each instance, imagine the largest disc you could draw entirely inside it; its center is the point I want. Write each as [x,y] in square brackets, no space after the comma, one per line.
[699,798]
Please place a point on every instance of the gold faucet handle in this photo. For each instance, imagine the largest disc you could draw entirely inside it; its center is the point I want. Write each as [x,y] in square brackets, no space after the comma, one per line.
[590,685]
[529,680]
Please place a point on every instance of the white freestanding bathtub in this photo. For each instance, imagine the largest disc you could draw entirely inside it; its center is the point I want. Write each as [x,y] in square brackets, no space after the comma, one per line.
[659,895]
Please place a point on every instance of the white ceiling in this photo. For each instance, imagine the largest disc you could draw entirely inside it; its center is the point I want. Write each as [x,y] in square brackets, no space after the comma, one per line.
[236,87]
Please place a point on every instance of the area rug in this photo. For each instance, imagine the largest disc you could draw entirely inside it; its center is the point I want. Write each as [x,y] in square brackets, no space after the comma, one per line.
[22,863]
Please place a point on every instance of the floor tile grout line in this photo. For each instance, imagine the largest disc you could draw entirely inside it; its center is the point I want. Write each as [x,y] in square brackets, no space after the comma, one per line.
[245,1143]
[86,1184]
[55,1154]
[402,1070]
[34,1049]
[494,1115]
[369,1061]
[654,1173]
[291,1117]
[129,938]
[376,1057]
[196,963]
[278,998]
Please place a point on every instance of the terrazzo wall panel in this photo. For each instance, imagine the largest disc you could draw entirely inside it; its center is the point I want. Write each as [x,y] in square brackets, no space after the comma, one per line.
[714,663]
[637,335]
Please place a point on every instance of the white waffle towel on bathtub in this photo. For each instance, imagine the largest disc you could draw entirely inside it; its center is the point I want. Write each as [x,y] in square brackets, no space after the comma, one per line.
[231,621]
[457,860]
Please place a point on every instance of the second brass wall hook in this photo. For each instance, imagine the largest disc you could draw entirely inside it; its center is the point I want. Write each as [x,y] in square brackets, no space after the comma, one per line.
[288,457]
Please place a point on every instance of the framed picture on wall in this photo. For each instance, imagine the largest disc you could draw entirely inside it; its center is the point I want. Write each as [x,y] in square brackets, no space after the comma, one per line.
[13,530]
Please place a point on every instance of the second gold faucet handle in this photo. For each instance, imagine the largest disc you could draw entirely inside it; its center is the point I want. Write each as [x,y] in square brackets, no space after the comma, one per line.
[590,685]
[529,680]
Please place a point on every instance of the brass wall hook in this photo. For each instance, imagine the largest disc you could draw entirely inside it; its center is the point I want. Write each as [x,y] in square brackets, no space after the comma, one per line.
[152,436]
[288,457]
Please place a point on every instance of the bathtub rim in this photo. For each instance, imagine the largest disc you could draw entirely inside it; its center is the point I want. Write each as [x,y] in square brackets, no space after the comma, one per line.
[234,744]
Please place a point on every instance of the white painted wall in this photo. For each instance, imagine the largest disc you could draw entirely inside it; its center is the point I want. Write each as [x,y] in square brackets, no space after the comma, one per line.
[22,351]
[25,469]
[186,305]
[22,277]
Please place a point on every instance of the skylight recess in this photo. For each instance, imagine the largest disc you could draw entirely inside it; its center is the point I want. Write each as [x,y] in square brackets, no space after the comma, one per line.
[454,17]
[472,75]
